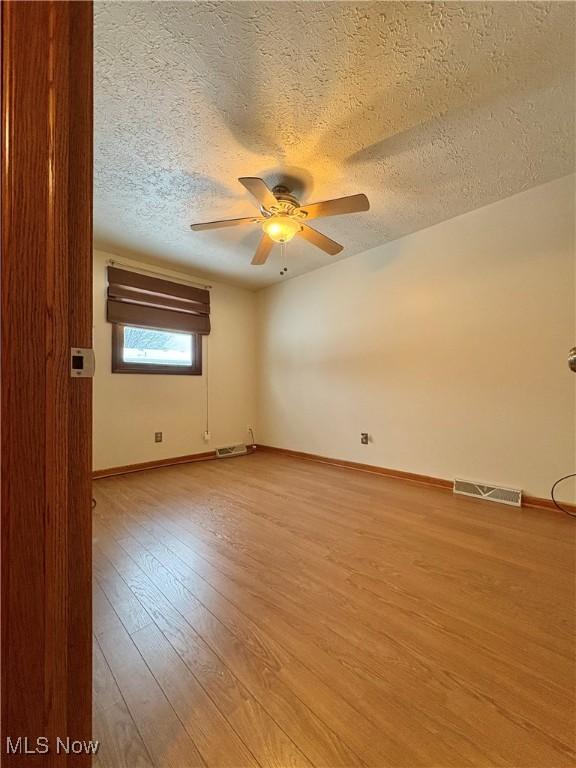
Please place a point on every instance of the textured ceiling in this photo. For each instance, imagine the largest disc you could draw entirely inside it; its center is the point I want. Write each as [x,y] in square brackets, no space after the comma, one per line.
[431,109]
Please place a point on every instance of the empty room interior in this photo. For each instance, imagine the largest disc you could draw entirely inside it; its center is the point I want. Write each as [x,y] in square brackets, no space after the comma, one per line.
[334,398]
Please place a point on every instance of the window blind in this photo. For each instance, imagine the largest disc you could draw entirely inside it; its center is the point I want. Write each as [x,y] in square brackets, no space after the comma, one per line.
[136,299]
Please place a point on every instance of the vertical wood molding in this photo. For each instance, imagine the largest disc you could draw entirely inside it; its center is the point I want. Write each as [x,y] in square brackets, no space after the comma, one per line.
[45,524]
[80,396]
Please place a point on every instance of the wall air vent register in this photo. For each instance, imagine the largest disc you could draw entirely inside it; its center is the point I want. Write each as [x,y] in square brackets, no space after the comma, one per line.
[489,492]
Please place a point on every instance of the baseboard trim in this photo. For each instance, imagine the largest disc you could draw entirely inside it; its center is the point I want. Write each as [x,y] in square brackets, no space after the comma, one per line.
[398,474]
[129,468]
[436,482]
[534,502]
[537,503]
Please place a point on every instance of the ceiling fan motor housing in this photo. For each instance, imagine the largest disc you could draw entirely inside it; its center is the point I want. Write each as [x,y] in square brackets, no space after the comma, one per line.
[288,205]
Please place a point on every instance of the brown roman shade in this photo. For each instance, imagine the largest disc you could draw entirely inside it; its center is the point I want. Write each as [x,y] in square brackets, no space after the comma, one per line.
[135,299]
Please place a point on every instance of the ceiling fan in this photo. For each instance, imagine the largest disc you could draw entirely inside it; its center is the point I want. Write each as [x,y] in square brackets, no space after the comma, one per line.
[282,217]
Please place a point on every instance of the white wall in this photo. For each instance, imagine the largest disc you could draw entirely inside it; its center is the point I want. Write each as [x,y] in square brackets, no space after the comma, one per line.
[129,408]
[448,346]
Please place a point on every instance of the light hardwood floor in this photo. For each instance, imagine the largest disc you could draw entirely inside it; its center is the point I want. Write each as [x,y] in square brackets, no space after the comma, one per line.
[274,612]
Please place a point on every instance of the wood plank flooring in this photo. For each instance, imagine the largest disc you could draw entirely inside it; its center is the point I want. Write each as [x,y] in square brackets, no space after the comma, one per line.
[274,612]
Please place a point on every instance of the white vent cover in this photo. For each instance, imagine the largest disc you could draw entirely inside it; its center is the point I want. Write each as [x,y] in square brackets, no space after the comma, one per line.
[490,492]
[231,450]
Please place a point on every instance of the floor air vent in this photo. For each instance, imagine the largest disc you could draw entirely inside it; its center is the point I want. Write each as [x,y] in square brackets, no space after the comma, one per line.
[231,450]
[490,492]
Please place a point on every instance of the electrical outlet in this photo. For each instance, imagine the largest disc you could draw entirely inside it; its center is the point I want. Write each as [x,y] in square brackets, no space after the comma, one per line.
[206,436]
[157,437]
[364,438]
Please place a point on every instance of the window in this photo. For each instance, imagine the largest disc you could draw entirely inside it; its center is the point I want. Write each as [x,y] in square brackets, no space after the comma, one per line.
[147,350]
[157,325]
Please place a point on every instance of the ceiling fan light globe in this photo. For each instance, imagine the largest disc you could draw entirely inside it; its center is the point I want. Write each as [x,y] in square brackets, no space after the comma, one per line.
[281,229]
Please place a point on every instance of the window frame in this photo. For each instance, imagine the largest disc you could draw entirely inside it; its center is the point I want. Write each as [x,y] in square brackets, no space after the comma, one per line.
[120,366]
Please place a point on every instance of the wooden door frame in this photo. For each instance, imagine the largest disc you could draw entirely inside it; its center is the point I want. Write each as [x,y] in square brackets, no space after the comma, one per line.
[46,308]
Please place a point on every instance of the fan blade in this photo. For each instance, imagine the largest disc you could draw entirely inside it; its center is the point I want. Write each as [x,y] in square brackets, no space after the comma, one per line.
[258,188]
[350,204]
[225,223]
[320,240]
[263,250]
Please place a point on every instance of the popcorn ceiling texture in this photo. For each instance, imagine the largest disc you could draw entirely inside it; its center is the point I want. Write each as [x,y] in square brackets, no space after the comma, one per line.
[431,109]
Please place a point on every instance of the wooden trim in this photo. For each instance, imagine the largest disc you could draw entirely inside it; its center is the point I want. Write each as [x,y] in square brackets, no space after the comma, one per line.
[128,468]
[45,521]
[119,366]
[538,503]
[412,477]
[80,325]
[395,473]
